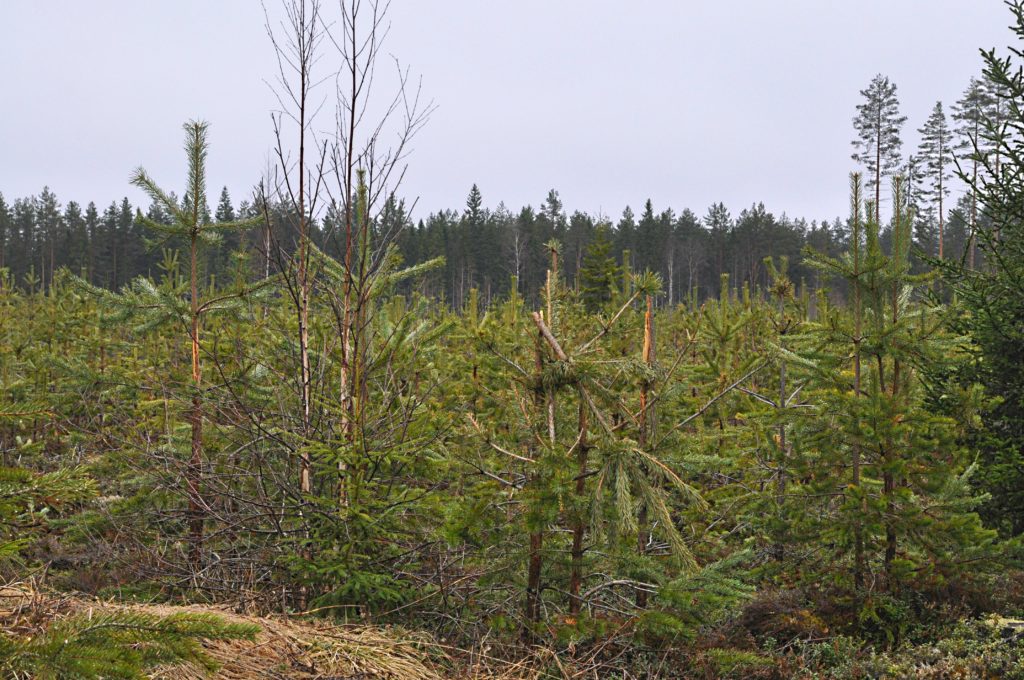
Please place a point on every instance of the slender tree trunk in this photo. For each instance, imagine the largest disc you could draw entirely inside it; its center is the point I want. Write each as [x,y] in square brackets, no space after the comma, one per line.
[551,401]
[646,423]
[780,471]
[358,390]
[942,215]
[579,524]
[305,375]
[349,290]
[998,177]
[878,169]
[889,489]
[266,251]
[889,479]
[305,473]
[858,330]
[671,275]
[533,581]
[534,561]
[974,211]
[300,54]
[515,254]
[195,466]
[533,577]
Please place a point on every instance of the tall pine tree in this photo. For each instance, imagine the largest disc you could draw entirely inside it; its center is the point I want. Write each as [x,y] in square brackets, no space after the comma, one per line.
[935,153]
[878,123]
[968,116]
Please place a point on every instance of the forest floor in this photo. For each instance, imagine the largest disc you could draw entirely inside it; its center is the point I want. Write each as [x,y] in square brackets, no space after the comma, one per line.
[285,648]
[310,648]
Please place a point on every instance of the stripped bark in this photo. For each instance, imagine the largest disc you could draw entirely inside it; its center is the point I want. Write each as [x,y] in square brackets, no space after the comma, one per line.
[646,426]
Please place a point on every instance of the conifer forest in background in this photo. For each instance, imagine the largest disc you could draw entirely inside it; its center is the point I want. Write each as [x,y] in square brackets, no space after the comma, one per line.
[667,444]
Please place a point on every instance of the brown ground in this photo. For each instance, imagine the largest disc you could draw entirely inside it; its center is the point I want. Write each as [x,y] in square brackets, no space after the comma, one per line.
[283,649]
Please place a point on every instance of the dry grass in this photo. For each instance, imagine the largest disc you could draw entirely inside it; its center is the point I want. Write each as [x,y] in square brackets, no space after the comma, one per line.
[283,649]
[307,649]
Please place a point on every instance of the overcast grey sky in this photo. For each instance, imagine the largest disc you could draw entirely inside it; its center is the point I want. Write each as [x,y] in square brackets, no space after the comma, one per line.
[687,102]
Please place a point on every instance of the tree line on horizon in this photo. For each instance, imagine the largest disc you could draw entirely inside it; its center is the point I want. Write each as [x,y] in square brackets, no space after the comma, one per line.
[485,249]
[492,249]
